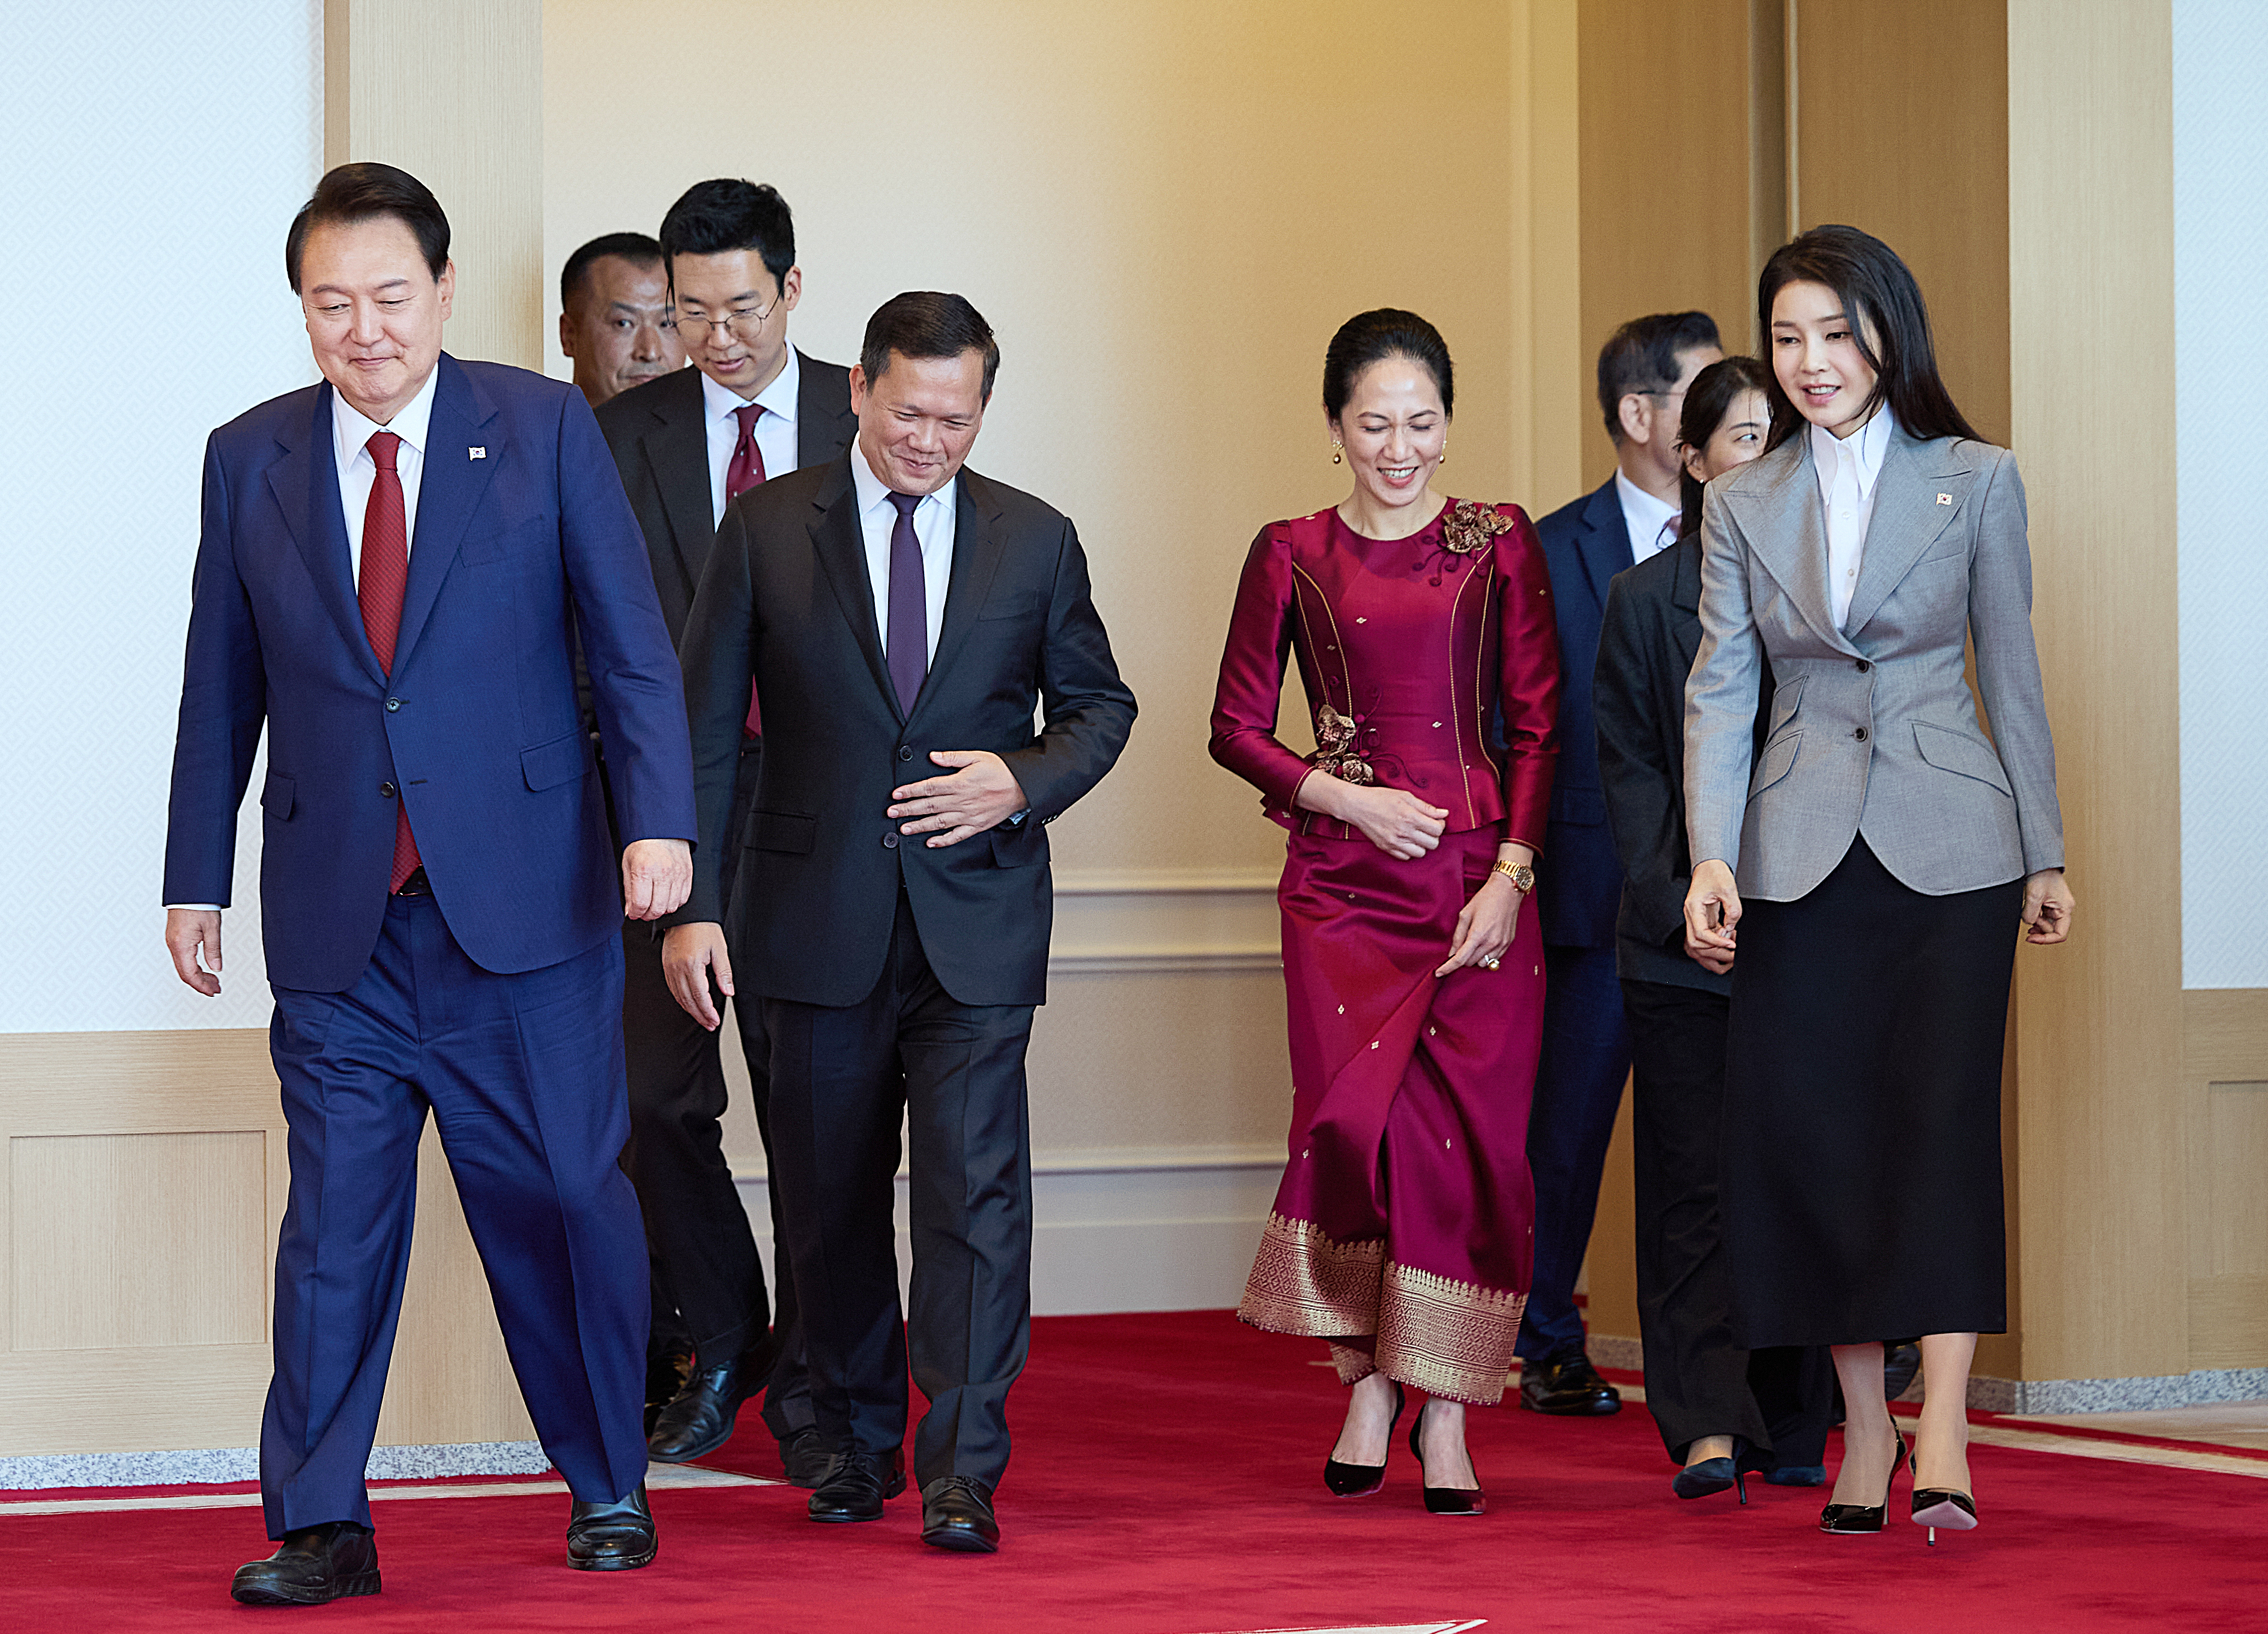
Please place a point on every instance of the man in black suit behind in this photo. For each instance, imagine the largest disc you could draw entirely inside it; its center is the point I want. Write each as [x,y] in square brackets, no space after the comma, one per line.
[898,612]
[686,446]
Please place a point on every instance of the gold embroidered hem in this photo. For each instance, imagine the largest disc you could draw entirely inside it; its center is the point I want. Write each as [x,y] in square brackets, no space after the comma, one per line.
[1447,1338]
[1353,1366]
[1304,1283]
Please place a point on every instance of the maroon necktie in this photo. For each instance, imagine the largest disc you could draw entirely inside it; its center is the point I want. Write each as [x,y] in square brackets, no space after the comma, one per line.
[385,576]
[906,639]
[746,471]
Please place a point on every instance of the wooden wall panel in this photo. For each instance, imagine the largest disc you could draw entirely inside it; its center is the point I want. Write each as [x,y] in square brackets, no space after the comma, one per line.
[2102,1125]
[2224,1092]
[452,91]
[1903,130]
[1666,179]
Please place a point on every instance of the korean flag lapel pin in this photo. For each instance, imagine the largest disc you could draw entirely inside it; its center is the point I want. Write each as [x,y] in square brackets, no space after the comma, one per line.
[482,453]
[1943,499]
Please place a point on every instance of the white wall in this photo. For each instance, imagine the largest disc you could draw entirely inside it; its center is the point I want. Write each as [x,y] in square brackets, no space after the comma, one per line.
[2220,258]
[156,153]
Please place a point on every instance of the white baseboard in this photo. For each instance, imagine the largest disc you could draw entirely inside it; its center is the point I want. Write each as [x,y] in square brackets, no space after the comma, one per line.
[1170,1230]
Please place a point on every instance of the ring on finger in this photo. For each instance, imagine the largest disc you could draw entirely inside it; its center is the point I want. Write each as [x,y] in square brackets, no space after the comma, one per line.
[1491,961]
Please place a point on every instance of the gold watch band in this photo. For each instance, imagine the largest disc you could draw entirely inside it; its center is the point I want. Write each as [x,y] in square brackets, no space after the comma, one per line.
[1522,876]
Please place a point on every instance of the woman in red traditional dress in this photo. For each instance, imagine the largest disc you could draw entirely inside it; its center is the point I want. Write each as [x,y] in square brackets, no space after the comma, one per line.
[1404,1230]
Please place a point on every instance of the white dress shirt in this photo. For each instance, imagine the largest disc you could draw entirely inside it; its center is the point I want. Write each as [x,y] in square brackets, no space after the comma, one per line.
[934,527]
[350,435]
[775,428]
[1652,524]
[1847,467]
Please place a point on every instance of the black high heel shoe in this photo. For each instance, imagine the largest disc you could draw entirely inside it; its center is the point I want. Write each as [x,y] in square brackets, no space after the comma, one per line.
[1361,1480]
[1866,1517]
[1713,1474]
[1935,1506]
[1447,1500]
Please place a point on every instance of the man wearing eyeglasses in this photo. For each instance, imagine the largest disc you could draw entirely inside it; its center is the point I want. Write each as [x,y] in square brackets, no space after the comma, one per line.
[751,408]
[1644,369]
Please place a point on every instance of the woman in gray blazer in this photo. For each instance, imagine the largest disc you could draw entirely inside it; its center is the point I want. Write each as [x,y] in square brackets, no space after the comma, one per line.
[1875,855]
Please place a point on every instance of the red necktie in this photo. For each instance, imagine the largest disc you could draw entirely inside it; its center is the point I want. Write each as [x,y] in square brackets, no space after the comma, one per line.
[385,576]
[746,471]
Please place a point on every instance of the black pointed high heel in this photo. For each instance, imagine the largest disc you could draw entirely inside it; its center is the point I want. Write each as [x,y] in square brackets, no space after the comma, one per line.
[1447,1500]
[1361,1480]
[1935,1506]
[1866,1517]
[1713,1474]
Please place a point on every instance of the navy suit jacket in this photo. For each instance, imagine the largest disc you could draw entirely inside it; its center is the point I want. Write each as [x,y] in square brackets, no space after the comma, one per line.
[522,529]
[1580,884]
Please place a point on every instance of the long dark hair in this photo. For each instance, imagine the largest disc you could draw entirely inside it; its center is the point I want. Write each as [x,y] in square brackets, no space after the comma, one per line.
[1707,401]
[1878,293]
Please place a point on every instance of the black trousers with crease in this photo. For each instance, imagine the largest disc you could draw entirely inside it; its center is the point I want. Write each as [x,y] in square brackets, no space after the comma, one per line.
[1699,1381]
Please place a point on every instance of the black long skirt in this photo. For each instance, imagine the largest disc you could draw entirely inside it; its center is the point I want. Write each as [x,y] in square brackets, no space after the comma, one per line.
[1862,1111]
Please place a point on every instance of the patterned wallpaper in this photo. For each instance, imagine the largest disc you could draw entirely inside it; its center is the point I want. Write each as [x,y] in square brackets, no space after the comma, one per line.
[2220,256]
[156,153]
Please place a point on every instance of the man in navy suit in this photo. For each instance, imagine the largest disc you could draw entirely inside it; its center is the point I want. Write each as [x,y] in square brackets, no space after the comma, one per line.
[1644,369]
[393,569]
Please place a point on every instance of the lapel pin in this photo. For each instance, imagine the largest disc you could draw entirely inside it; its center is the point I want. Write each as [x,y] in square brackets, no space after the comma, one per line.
[1943,499]
[482,453]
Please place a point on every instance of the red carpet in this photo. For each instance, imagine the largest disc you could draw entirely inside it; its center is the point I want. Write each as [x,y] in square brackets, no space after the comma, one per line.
[1168,1481]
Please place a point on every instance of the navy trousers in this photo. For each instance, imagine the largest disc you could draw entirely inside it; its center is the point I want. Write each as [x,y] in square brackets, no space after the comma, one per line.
[524,1077]
[1579,1089]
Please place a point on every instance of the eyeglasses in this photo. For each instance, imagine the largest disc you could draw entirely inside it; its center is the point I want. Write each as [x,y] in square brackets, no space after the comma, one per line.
[743,323]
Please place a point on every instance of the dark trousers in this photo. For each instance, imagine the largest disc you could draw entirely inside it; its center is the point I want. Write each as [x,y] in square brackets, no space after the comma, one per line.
[705,1255]
[1579,1089]
[1698,1382]
[524,1077]
[842,1079]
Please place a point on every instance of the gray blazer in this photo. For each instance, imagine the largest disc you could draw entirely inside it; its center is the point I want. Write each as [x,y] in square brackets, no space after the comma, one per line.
[1873,729]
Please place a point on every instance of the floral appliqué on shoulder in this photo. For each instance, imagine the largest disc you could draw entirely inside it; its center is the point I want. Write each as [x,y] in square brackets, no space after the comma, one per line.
[1335,751]
[1471,524]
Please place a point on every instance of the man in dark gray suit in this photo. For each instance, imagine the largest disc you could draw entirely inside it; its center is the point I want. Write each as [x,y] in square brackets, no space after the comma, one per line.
[752,407]
[900,616]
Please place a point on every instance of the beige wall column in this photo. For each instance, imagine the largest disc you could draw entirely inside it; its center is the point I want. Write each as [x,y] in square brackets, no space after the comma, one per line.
[452,91]
[2100,1124]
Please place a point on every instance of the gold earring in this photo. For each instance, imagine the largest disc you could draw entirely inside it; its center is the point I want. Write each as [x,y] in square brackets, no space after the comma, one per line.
[1336,453]
[1444,460]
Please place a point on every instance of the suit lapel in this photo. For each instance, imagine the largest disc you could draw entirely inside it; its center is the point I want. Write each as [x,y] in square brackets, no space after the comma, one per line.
[976,550]
[305,483]
[677,453]
[824,424]
[1908,516]
[841,546]
[448,493]
[1785,526]
[1604,544]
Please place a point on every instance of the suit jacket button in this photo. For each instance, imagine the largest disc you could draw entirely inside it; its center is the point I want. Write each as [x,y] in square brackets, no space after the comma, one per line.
[392,704]
[1860,734]
[1862,667]
[386,789]
[904,753]
[890,841]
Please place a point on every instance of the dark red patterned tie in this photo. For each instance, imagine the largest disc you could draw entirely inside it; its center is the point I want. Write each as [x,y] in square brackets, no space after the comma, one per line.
[746,471]
[385,576]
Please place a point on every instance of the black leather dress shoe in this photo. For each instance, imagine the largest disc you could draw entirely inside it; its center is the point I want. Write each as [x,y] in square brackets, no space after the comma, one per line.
[701,1418]
[957,1514]
[855,1484]
[804,1455]
[1570,1389]
[667,1374]
[619,1536]
[321,1564]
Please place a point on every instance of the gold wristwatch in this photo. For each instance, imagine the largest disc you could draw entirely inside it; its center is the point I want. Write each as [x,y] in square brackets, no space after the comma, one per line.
[1522,876]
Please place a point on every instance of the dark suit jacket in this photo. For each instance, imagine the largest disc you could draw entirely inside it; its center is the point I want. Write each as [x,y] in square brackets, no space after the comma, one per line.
[786,598]
[519,522]
[1646,643]
[661,449]
[1579,879]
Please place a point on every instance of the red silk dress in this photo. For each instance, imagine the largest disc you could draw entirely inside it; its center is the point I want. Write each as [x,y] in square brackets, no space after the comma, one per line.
[1404,1231]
